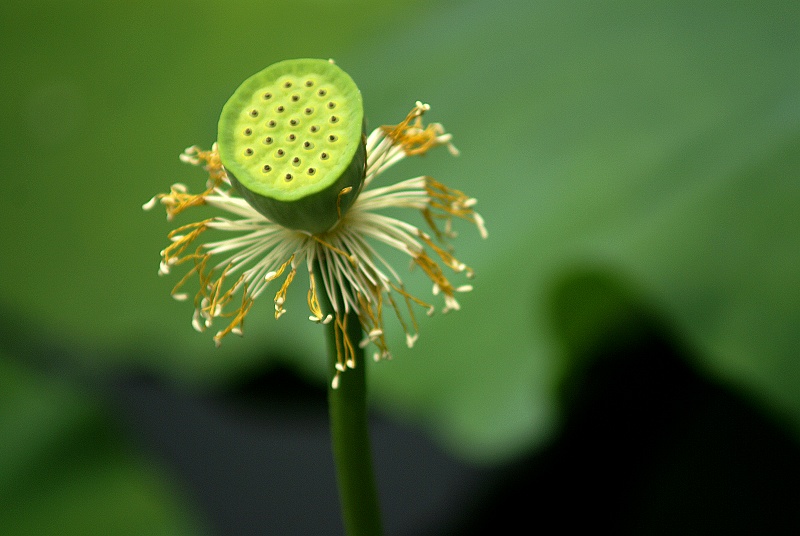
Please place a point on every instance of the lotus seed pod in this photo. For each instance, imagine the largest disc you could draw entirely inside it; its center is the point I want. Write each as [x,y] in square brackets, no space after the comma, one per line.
[292,140]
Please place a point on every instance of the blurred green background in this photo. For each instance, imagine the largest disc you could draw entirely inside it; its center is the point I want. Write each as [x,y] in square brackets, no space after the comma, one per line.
[656,145]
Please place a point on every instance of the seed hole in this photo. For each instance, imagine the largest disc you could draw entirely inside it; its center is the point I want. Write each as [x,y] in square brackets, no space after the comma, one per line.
[291,137]
[324,156]
[331,105]
[308,145]
[295,161]
[288,177]
[272,123]
[254,113]
[314,128]
[268,140]
[293,122]
[332,137]
[287,84]
[308,111]
[311,171]
[267,168]
[267,96]
[309,83]
[295,98]
[334,119]
[322,92]
[248,152]
[280,152]
[248,131]
[280,109]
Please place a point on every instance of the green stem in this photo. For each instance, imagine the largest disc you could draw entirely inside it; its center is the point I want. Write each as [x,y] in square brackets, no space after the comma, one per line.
[347,407]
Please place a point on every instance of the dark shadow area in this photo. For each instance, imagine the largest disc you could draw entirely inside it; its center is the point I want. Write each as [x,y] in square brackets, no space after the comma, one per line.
[647,446]
[254,457]
[257,458]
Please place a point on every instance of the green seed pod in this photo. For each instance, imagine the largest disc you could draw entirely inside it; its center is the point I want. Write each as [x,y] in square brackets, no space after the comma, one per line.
[292,139]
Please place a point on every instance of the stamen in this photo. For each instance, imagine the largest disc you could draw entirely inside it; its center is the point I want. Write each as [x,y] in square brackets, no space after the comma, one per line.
[342,193]
[414,137]
[355,277]
[280,296]
[313,303]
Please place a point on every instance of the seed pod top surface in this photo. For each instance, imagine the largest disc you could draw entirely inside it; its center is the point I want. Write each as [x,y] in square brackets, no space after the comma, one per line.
[294,132]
